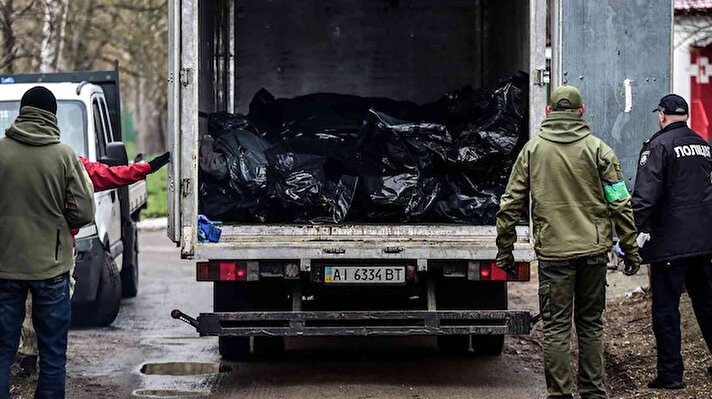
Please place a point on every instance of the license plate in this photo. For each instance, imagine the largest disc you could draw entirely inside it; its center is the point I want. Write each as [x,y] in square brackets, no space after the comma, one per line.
[364,275]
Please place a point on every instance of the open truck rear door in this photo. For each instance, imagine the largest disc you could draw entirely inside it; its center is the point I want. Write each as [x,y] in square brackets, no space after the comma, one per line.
[618,53]
[182,120]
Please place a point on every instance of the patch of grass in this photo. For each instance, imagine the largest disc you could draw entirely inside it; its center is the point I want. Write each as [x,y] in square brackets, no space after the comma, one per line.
[130,149]
[157,186]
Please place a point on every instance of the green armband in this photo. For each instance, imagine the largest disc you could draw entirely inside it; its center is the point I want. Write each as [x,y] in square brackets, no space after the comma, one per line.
[616,191]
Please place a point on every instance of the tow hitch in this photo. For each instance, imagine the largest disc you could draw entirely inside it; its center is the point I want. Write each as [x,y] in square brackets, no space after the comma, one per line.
[178,315]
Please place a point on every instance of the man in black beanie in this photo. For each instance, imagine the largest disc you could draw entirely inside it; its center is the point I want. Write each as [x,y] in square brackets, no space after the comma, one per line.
[48,194]
[39,97]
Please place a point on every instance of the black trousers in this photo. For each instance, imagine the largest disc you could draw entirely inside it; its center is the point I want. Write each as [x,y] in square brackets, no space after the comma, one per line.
[667,280]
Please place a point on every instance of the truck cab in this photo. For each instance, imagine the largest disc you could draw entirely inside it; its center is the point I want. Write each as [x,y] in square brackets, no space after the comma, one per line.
[89,122]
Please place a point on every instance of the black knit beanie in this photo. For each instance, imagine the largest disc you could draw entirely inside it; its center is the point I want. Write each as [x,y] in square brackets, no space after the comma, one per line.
[39,97]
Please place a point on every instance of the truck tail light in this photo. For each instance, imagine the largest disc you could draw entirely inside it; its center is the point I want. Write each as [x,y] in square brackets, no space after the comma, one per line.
[488,271]
[221,271]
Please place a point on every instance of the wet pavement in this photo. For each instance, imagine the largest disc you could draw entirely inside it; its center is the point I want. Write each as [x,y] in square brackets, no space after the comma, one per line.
[145,353]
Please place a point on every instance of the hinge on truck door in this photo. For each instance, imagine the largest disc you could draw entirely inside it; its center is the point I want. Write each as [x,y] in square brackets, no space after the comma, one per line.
[186,76]
[186,187]
[541,77]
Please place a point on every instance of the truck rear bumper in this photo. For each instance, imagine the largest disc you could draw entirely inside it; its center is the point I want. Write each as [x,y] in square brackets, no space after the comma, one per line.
[361,323]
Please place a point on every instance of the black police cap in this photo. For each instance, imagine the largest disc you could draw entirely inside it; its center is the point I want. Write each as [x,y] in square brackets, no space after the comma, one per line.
[672,104]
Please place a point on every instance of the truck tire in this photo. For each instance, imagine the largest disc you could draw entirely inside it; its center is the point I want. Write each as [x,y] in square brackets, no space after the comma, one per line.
[453,344]
[234,348]
[488,345]
[129,273]
[104,309]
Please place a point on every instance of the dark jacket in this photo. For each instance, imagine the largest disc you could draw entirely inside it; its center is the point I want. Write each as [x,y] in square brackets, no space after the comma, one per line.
[44,191]
[673,195]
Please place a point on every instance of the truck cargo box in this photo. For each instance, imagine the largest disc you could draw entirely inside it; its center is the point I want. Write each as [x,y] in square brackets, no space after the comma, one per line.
[222,52]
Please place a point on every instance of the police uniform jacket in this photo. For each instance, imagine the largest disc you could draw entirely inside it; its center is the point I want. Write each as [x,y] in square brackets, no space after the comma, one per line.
[672,200]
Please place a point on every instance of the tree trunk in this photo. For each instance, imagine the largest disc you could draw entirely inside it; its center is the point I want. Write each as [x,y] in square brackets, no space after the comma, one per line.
[53,30]
[78,50]
[61,33]
[47,53]
[9,51]
[149,128]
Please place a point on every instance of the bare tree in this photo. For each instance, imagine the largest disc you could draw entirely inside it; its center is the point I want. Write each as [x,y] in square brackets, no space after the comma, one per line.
[53,32]
[11,11]
[53,35]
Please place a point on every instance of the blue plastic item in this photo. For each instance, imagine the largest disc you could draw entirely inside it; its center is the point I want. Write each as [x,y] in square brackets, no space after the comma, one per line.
[207,230]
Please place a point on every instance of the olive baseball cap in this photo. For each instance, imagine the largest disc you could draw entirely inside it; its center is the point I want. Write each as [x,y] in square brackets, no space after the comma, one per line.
[565,97]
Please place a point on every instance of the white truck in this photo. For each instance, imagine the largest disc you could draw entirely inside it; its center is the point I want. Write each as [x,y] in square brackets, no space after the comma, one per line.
[268,280]
[89,116]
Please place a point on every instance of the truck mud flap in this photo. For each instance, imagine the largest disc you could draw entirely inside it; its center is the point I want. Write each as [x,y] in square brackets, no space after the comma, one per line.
[360,323]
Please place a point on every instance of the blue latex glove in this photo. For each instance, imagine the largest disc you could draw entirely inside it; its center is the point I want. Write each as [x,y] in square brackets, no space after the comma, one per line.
[618,249]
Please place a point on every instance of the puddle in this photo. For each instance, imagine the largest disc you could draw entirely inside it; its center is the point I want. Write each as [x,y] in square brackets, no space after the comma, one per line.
[183,368]
[167,393]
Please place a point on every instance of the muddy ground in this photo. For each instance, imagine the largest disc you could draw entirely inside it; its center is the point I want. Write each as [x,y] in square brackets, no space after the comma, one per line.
[119,361]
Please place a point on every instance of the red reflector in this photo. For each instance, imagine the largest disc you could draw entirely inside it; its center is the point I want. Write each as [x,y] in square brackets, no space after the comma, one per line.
[524,273]
[485,271]
[497,273]
[227,272]
[203,271]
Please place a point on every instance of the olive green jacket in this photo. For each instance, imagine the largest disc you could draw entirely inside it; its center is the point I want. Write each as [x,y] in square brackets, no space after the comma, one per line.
[576,188]
[43,193]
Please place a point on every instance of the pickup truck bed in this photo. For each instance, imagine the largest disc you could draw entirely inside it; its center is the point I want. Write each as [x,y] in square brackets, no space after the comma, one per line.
[138,196]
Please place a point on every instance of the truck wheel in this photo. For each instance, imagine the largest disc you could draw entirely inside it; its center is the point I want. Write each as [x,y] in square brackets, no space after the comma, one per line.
[129,273]
[269,346]
[234,348]
[453,344]
[488,345]
[104,309]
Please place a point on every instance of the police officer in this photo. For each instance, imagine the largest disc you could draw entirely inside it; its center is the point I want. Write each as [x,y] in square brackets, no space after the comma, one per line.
[577,189]
[672,203]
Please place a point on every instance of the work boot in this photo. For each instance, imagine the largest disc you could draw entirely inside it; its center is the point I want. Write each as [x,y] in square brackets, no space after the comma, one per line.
[660,383]
[28,365]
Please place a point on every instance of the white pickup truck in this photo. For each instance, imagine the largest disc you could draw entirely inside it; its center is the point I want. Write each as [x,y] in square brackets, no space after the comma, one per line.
[89,116]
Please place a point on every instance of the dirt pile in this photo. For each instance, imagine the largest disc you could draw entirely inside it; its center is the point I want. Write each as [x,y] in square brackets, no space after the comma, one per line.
[631,351]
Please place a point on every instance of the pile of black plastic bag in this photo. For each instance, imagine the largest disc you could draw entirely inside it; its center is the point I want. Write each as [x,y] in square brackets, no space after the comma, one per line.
[332,158]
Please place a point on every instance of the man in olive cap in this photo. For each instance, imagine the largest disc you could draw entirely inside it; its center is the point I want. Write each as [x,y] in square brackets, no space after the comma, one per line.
[577,189]
[672,202]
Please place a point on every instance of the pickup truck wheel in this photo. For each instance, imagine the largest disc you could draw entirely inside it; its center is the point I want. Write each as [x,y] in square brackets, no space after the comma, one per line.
[453,344]
[488,345]
[104,309]
[234,348]
[268,346]
[129,274]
